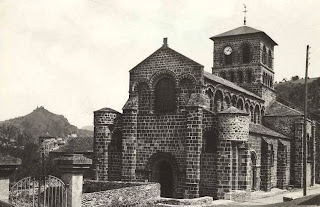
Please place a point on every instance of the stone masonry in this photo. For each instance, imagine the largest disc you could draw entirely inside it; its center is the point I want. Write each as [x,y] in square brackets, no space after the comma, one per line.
[199,134]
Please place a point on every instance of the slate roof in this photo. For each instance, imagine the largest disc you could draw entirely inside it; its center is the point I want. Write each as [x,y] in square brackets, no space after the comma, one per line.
[279,109]
[77,144]
[243,30]
[233,110]
[229,84]
[108,110]
[167,49]
[259,129]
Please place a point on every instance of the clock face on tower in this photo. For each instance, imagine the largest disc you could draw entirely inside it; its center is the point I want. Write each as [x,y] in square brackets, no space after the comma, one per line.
[227,50]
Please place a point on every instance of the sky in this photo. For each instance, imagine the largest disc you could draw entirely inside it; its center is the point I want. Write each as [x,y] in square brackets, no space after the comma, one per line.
[73,57]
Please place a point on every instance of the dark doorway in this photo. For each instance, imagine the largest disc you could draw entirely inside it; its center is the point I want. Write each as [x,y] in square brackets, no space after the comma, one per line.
[166,179]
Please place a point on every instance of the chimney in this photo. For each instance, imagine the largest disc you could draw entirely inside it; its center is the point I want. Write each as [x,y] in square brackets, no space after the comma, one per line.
[165,42]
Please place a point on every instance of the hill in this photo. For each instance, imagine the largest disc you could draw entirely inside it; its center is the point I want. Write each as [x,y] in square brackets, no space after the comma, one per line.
[293,91]
[90,128]
[42,121]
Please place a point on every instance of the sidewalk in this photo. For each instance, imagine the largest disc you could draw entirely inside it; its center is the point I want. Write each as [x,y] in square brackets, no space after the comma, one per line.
[296,193]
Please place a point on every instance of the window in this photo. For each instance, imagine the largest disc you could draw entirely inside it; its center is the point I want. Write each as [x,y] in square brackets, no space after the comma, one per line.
[271,155]
[249,76]
[218,101]
[165,96]
[228,59]
[264,55]
[246,53]
[240,76]
[231,76]
[223,75]
[270,59]
[209,94]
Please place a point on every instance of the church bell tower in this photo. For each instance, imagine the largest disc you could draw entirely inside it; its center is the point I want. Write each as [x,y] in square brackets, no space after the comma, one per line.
[245,56]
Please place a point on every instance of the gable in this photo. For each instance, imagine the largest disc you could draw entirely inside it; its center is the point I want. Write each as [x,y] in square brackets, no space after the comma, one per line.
[166,59]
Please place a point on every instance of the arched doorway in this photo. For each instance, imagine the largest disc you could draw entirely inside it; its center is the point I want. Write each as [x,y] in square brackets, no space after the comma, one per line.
[163,169]
[165,179]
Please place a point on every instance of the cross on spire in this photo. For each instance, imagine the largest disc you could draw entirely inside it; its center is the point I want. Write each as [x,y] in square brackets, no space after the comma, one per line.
[245,14]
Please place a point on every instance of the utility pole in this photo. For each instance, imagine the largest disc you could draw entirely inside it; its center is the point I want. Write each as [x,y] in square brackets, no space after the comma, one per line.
[305,126]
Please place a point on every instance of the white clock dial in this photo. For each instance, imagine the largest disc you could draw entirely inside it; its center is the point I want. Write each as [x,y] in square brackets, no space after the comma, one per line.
[227,50]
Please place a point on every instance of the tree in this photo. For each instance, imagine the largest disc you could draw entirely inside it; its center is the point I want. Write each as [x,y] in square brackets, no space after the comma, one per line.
[294,78]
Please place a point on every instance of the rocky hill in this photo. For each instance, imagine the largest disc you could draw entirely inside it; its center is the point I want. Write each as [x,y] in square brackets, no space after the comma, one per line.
[41,121]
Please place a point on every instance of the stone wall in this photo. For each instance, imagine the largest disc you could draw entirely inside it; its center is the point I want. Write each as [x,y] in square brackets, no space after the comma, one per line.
[119,193]
[106,122]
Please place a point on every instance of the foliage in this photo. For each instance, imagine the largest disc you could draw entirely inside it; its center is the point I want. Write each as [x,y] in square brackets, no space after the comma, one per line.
[294,93]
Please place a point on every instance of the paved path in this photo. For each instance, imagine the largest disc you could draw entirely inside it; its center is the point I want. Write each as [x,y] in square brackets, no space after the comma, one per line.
[279,198]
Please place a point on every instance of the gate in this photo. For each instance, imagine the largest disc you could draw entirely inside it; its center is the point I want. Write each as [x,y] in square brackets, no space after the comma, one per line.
[46,191]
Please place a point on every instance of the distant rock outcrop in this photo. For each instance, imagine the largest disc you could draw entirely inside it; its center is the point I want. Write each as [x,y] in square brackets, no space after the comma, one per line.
[42,121]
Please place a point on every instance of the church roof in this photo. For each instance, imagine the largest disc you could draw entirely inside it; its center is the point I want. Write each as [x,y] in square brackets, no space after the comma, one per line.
[165,49]
[260,129]
[229,84]
[243,30]
[233,110]
[279,109]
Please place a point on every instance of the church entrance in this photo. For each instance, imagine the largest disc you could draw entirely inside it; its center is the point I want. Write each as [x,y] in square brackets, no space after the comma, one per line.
[163,169]
[166,179]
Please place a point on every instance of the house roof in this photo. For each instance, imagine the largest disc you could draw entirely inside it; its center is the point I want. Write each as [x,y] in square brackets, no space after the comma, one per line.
[260,129]
[6,159]
[229,84]
[243,30]
[77,144]
[279,109]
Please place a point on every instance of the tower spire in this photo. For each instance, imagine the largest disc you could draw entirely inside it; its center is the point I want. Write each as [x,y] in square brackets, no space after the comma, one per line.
[245,14]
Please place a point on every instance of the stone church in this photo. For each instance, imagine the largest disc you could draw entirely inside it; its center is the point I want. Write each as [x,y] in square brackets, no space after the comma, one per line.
[206,134]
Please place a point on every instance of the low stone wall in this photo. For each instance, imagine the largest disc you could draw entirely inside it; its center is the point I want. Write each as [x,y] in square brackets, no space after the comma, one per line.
[237,195]
[116,193]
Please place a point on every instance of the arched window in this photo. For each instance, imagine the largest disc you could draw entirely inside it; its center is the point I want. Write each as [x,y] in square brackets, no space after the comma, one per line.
[209,94]
[270,59]
[227,101]
[218,101]
[252,114]
[231,76]
[249,76]
[228,59]
[257,115]
[165,96]
[234,100]
[223,75]
[264,55]
[240,104]
[247,108]
[246,53]
[240,76]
